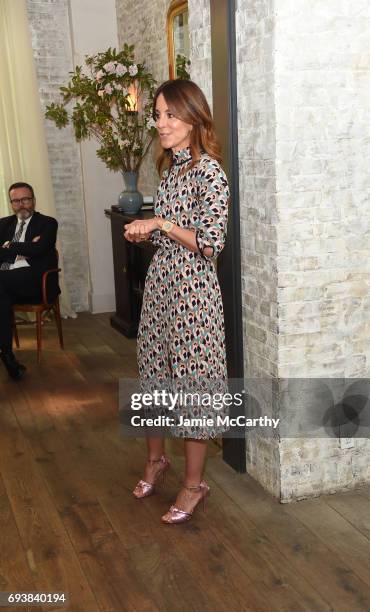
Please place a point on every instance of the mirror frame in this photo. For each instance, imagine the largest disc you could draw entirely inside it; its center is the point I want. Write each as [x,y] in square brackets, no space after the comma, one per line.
[176,7]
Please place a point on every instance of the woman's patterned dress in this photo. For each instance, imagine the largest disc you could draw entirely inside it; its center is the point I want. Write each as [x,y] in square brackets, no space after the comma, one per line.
[181,334]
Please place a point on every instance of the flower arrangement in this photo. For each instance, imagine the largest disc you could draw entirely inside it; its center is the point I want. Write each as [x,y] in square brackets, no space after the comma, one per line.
[112,98]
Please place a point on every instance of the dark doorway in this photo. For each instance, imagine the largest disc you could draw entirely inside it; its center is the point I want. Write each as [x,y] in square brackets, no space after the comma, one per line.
[224,84]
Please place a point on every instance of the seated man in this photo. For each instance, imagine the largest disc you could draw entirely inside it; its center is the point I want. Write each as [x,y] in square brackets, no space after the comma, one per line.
[27,250]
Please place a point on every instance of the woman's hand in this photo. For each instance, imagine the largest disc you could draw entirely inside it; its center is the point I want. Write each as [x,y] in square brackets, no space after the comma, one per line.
[140,229]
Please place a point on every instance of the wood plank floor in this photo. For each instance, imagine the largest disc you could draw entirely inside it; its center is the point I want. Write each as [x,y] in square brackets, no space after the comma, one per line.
[68,521]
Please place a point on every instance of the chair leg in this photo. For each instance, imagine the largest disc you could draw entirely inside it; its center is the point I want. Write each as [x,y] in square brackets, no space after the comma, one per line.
[58,321]
[38,331]
[15,332]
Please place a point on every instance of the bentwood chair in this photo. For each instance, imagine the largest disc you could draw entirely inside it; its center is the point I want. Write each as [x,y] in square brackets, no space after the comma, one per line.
[40,309]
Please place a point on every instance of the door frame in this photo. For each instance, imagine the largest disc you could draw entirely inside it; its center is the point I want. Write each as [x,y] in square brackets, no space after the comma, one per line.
[225,114]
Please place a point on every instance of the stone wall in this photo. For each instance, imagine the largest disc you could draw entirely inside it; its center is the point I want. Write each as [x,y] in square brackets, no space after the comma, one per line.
[200,45]
[322,148]
[258,217]
[322,98]
[51,41]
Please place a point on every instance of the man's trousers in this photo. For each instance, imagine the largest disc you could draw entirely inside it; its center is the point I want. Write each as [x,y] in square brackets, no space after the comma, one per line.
[19,285]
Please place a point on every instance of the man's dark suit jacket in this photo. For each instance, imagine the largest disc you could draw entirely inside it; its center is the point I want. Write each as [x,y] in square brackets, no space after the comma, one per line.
[41,255]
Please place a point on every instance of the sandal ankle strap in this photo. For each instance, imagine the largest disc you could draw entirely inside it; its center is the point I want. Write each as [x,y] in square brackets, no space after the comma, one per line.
[151,461]
[193,487]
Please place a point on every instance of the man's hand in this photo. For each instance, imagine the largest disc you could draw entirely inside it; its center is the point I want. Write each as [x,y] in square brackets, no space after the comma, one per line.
[140,229]
[8,243]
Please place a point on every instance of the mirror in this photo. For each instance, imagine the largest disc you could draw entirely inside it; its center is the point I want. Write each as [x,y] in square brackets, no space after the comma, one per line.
[178,39]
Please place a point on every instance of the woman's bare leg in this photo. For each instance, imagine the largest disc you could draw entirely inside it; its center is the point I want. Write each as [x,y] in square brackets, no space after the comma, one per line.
[195,457]
[155,448]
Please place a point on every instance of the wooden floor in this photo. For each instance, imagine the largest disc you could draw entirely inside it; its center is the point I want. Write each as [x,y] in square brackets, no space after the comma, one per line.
[68,521]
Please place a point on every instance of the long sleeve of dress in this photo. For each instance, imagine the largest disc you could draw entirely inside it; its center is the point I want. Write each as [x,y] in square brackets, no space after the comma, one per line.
[211,227]
[156,236]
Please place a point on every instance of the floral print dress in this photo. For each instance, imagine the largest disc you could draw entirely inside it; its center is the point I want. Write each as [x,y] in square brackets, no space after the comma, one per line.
[181,333]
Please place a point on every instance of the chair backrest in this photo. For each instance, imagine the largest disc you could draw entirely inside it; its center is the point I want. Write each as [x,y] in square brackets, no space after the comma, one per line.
[45,297]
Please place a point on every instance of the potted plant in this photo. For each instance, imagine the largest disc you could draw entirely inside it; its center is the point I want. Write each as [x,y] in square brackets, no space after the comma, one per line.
[110,99]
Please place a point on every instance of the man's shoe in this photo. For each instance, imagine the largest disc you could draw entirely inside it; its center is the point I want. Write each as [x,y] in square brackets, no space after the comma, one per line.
[15,369]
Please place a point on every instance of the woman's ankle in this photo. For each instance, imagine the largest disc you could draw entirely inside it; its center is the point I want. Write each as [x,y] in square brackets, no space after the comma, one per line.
[155,459]
[192,485]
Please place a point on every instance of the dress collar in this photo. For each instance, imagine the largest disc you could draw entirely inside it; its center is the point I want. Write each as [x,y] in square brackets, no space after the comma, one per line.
[182,156]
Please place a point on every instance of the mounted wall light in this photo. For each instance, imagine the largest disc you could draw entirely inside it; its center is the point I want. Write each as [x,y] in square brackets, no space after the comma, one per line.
[133,98]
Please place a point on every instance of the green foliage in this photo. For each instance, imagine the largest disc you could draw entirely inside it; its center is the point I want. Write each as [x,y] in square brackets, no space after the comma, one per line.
[58,113]
[182,63]
[99,101]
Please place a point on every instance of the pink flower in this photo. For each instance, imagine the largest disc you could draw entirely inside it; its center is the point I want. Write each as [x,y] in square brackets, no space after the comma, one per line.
[150,123]
[133,70]
[120,69]
[110,67]
[124,143]
[99,75]
[108,89]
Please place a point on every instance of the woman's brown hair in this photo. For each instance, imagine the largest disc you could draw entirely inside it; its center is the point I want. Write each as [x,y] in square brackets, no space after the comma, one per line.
[187,102]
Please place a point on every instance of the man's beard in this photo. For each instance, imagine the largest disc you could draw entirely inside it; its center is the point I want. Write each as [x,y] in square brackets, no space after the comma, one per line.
[24,214]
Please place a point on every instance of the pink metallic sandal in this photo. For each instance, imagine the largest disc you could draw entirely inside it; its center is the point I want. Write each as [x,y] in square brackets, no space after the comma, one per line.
[180,516]
[143,488]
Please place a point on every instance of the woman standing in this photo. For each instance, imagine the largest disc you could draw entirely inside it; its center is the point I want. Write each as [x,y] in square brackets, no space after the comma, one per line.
[181,332]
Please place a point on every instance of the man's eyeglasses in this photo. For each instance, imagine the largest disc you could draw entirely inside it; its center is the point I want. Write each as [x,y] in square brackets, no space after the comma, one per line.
[21,201]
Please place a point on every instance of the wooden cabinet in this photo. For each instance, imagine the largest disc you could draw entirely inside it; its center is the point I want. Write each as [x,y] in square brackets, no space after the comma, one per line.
[131,262]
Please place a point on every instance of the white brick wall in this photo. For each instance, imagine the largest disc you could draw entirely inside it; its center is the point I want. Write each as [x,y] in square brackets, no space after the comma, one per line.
[200,45]
[322,99]
[51,41]
[258,214]
[322,149]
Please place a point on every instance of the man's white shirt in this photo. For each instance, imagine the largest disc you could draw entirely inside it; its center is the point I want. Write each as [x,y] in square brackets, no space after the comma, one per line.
[21,263]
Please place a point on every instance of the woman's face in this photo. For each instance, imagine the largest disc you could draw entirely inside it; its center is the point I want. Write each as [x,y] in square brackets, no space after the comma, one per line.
[173,132]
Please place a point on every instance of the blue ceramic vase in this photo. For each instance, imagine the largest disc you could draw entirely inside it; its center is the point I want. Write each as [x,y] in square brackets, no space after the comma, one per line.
[130,200]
